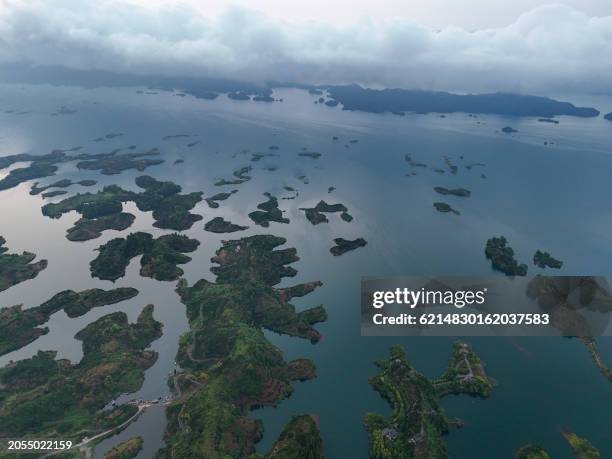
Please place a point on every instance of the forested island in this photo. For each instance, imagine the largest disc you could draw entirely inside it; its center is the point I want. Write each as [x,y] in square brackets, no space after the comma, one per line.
[545,259]
[16,268]
[460,192]
[103,210]
[220,225]
[502,257]
[354,97]
[268,212]
[445,208]
[418,422]
[316,214]
[42,395]
[160,257]
[19,326]
[229,365]
[346,245]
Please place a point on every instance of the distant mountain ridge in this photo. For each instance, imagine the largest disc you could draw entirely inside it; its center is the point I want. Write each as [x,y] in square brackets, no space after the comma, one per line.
[352,97]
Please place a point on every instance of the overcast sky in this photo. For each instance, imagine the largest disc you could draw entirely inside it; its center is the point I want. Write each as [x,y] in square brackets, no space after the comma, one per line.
[457,45]
[469,14]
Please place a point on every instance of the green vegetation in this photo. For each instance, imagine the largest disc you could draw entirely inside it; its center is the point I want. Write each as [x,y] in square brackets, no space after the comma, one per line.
[160,256]
[418,421]
[445,208]
[345,245]
[64,183]
[300,439]
[103,210]
[315,215]
[52,194]
[531,452]
[41,397]
[220,225]
[126,450]
[100,211]
[241,175]
[85,229]
[23,174]
[269,212]
[593,349]
[465,374]
[230,366]
[581,447]
[170,209]
[112,163]
[212,201]
[15,268]
[45,166]
[19,326]
[55,156]
[109,197]
[544,259]
[461,192]
[502,257]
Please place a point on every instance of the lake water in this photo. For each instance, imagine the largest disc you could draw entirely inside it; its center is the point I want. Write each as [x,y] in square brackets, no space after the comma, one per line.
[554,198]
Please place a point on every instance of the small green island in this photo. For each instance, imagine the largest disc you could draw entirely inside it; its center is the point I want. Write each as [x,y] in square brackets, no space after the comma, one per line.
[160,257]
[19,327]
[418,422]
[316,214]
[310,154]
[581,447]
[546,260]
[213,200]
[220,225]
[531,451]
[64,183]
[40,166]
[460,192]
[102,211]
[229,365]
[445,208]
[43,396]
[171,210]
[17,268]
[268,212]
[126,450]
[113,163]
[346,245]
[99,211]
[240,176]
[502,257]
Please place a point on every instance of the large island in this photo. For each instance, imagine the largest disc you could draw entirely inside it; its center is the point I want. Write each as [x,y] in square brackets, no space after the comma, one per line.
[230,368]
[418,422]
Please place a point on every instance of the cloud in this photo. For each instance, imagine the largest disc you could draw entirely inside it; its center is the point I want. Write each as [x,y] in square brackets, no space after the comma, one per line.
[552,48]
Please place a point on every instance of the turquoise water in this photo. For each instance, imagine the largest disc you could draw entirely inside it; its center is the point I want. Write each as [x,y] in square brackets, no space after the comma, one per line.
[554,198]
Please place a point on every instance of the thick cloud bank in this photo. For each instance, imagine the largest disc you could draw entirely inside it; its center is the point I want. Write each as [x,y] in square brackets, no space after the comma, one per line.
[552,48]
